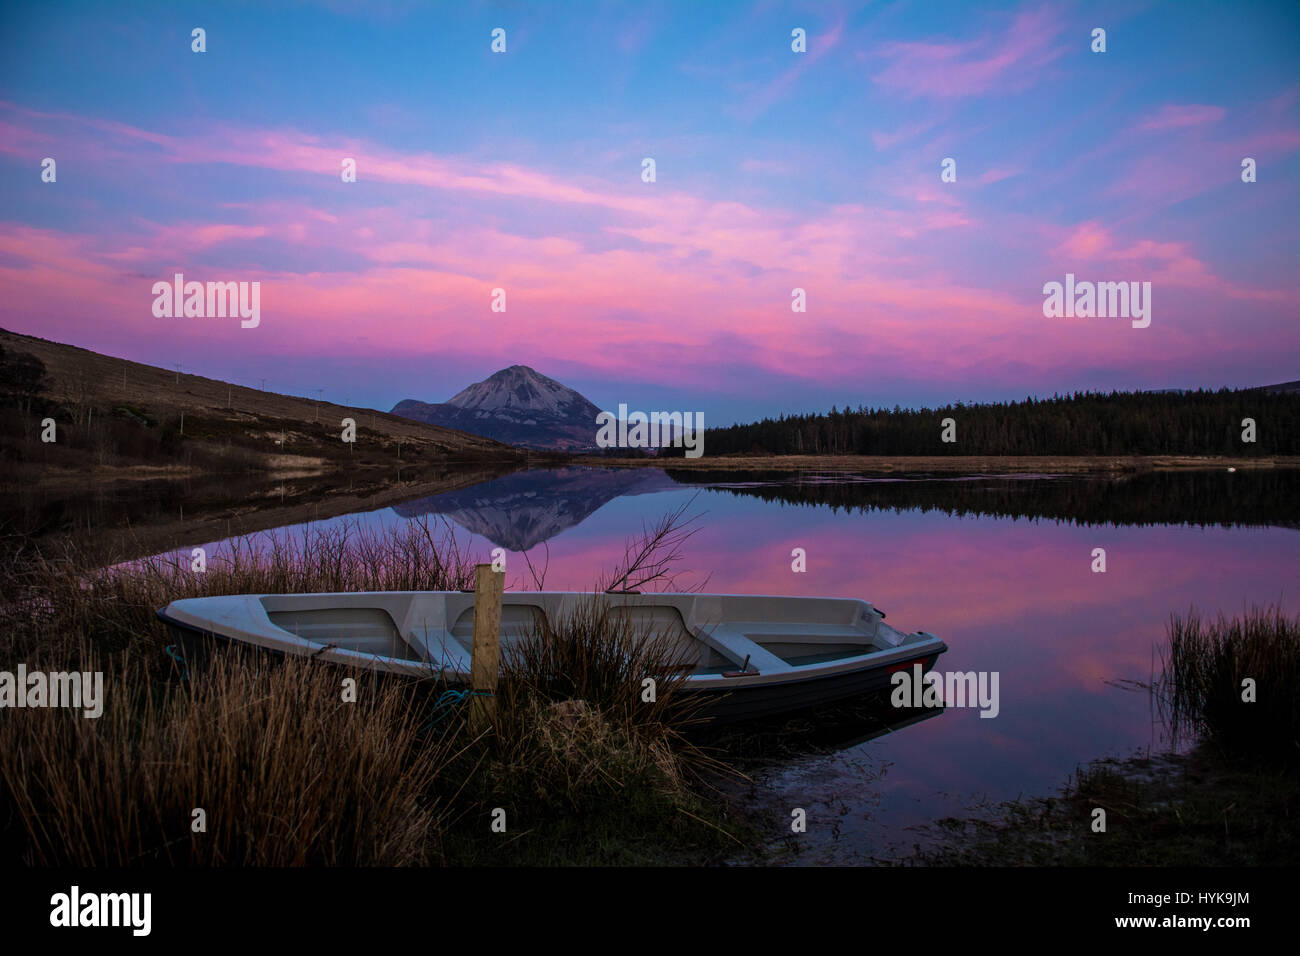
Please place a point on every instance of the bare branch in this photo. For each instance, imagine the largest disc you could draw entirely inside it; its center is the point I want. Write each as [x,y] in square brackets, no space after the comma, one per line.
[649,558]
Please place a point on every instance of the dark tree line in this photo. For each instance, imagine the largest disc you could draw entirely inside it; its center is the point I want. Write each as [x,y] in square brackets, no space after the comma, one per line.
[1084,423]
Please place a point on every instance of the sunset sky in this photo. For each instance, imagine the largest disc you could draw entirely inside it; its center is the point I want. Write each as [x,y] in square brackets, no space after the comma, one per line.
[775,170]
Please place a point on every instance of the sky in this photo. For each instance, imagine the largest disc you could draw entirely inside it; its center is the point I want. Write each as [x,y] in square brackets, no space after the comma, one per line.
[775,170]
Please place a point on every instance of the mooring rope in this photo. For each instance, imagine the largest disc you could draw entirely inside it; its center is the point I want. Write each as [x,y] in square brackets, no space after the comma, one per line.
[170,650]
[449,701]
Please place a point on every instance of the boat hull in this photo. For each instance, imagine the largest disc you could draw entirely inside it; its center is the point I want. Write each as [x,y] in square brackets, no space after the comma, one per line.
[751,703]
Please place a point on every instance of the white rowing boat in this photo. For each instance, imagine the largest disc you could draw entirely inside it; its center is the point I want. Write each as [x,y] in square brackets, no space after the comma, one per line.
[753,655]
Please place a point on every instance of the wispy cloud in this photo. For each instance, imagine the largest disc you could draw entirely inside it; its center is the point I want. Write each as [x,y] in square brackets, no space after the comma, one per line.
[1173,116]
[1010,58]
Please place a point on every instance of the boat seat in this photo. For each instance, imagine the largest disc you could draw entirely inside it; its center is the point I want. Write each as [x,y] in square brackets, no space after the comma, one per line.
[734,644]
[441,648]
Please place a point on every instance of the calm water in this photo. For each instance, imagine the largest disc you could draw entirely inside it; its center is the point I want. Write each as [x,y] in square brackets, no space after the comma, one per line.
[967,560]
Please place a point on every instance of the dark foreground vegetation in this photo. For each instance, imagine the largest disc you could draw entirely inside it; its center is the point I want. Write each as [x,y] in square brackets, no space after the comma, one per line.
[1085,423]
[288,773]
[1232,800]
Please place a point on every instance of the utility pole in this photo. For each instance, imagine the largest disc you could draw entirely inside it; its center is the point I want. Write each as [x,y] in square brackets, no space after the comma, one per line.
[316,413]
[264,385]
[178,374]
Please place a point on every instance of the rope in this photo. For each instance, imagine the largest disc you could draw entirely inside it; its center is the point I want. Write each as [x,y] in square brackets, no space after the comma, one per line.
[448,702]
[170,649]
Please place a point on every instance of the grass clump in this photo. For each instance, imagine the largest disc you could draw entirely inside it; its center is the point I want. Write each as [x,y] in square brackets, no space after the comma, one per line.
[284,772]
[1210,664]
[591,766]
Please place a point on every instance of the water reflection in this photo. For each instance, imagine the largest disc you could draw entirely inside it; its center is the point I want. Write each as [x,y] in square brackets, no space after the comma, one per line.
[520,511]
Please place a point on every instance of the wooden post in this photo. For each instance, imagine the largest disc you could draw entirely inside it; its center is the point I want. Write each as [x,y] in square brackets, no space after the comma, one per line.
[486,655]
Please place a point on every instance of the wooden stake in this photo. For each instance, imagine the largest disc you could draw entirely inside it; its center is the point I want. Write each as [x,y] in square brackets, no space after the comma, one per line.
[486,655]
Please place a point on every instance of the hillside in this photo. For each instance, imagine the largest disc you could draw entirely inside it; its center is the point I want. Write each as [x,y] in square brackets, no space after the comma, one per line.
[118,416]
[1282,388]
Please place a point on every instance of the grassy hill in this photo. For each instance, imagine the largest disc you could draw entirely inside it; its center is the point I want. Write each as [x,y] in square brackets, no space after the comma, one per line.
[117,418]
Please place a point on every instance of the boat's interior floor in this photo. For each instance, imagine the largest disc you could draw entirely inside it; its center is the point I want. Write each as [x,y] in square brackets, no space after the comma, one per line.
[712,634]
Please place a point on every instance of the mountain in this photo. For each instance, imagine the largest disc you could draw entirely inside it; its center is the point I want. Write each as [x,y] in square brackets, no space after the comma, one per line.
[517,405]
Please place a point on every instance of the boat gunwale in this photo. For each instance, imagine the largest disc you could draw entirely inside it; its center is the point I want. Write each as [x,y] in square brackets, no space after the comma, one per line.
[914,646]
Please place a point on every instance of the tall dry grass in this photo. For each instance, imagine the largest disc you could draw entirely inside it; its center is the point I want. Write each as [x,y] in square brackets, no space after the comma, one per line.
[285,772]
[1202,686]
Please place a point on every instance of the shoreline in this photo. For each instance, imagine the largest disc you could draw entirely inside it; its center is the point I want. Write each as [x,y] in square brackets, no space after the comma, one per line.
[956,464]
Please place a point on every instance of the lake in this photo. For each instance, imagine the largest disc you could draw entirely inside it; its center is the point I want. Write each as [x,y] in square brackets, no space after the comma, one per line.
[999,567]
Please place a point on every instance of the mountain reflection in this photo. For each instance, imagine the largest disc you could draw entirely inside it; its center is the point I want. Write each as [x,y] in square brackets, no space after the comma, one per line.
[522,510]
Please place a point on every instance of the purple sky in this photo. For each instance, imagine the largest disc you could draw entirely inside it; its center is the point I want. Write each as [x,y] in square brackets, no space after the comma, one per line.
[775,170]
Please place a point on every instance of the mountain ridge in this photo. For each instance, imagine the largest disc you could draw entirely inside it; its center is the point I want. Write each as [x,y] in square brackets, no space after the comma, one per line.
[517,405]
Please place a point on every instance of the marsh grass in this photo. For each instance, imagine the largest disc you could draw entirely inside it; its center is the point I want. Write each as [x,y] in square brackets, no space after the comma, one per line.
[1201,689]
[288,773]
[285,772]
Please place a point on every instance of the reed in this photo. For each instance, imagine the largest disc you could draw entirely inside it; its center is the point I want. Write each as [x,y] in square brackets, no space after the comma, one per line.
[284,772]
[1206,669]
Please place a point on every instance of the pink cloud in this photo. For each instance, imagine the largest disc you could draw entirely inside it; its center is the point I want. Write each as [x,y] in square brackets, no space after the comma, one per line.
[1172,116]
[1161,263]
[908,131]
[764,166]
[996,175]
[819,44]
[1012,60]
